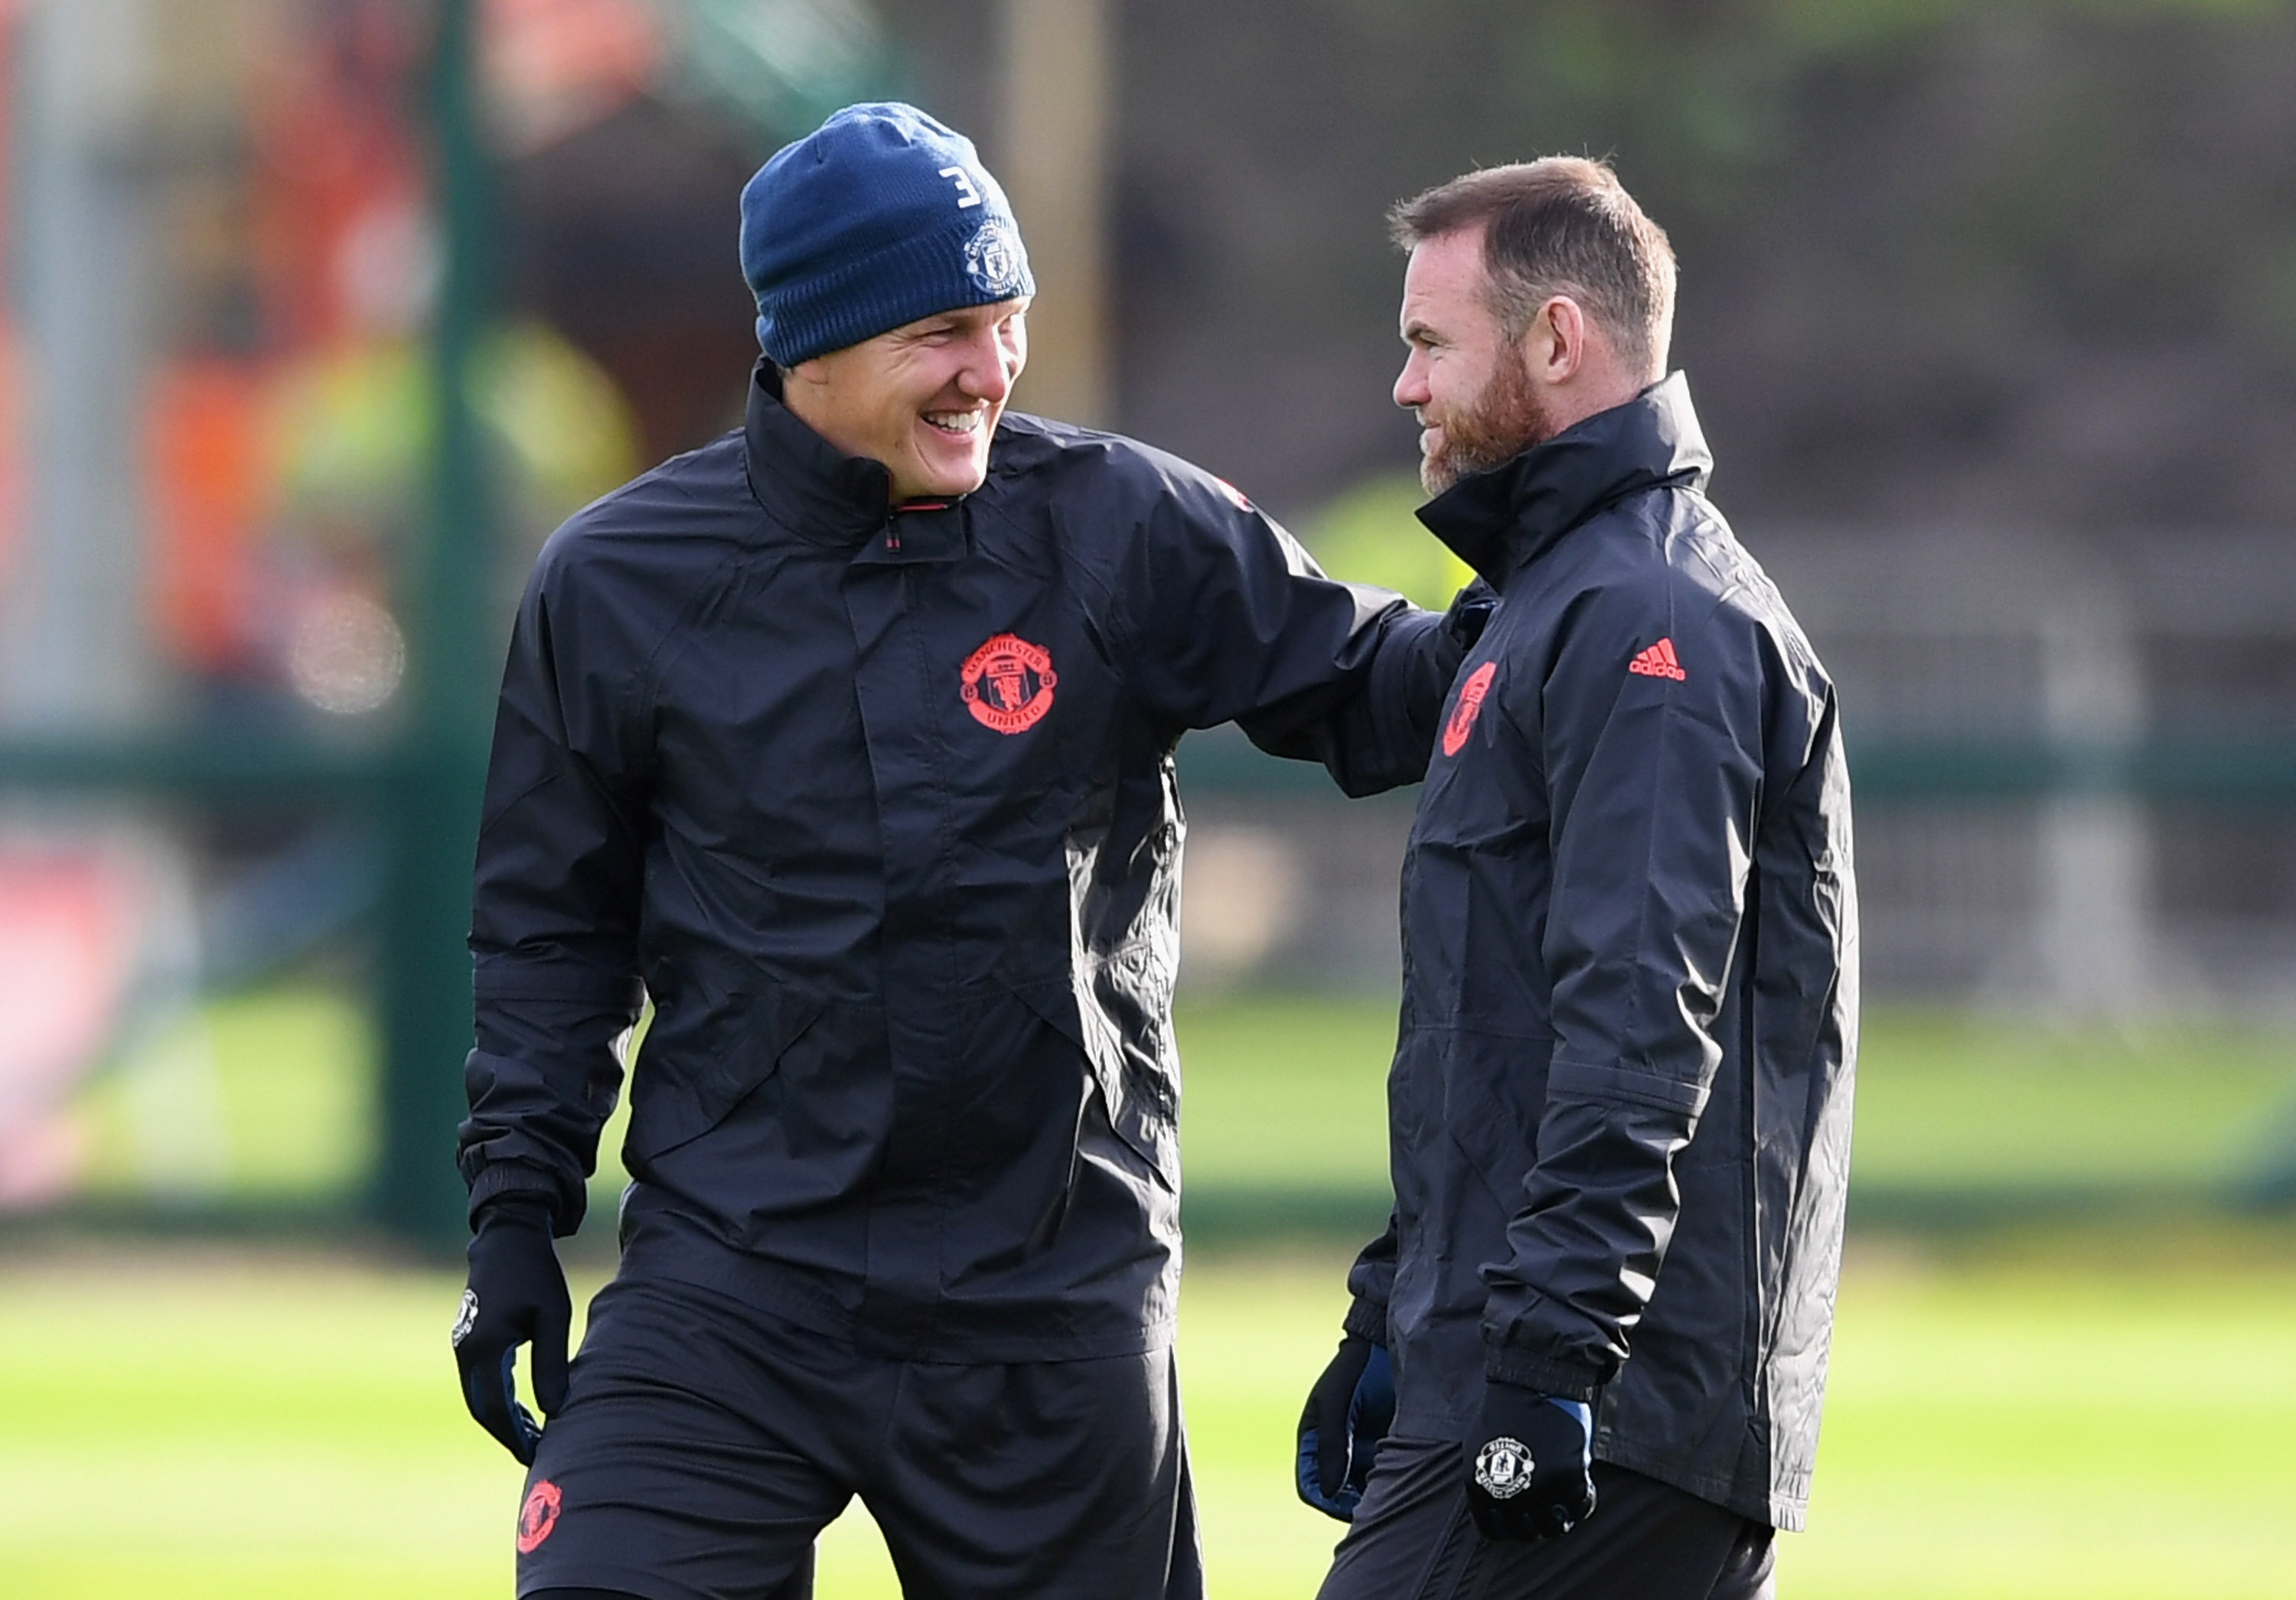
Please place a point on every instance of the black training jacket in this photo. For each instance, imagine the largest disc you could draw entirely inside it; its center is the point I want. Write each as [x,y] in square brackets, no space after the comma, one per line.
[1620,1097]
[878,806]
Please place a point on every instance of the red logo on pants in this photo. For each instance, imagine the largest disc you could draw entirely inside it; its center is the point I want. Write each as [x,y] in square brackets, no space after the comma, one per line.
[1469,708]
[538,1515]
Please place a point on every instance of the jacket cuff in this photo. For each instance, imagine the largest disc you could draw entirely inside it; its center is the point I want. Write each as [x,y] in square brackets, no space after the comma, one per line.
[1366,1319]
[1564,1380]
[498,1179]
[1470,610]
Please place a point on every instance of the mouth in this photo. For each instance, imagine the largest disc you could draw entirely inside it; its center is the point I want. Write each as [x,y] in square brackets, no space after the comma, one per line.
[956,424]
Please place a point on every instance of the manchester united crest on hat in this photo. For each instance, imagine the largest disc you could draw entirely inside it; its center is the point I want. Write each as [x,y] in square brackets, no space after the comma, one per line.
[994,261]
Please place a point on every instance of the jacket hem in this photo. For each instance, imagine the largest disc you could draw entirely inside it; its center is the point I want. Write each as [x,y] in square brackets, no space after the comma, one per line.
[505,978]
[1565,1380]
[1413,1422]
[1759,1502]
[934,1331]
[637,1582]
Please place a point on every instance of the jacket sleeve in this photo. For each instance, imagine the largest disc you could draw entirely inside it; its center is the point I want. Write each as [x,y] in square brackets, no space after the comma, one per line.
[1221,616]
[1371,1284]
[555,915]
[1655,783]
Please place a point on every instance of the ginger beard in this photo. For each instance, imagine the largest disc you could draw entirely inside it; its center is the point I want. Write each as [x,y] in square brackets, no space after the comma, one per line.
[1503,421]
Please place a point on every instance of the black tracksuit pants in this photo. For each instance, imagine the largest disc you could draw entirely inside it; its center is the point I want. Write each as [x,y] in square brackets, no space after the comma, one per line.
[1413,1539]
[704,1445]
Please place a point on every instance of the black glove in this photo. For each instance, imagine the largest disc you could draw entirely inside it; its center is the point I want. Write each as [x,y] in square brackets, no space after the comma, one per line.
[517,1292]
[1349,1411]
[1528,1464]
[1471,608]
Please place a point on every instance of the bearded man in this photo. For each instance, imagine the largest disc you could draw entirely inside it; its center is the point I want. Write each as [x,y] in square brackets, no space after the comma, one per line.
[1586,1358]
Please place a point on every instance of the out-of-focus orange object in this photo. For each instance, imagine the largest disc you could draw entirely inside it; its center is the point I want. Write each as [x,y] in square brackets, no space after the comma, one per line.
[333,150]
[555,66]
[212,467]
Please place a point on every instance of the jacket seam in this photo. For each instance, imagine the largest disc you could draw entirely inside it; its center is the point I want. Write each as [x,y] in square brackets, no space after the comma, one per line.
[1105,613]
[939,747]
[645,678]
[1624,1085]
[1631,1027]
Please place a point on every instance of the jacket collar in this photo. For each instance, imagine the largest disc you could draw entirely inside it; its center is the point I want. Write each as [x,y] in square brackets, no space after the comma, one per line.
[807,485]
[1500,518]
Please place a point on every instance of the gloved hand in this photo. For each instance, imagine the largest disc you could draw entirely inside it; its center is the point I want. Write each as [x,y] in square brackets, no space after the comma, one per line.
[1349,1411]
[1471,608]
[1528,1464]
[517,1293]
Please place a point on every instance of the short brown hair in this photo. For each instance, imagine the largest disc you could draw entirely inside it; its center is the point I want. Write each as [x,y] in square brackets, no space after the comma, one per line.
[1561,225]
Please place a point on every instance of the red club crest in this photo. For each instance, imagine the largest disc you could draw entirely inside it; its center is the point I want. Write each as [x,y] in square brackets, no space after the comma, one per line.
[1007,684]
[538,1515]
[1469,707]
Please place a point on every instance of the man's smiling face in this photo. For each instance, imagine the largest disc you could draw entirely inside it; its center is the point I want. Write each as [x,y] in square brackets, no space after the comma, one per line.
[924,397]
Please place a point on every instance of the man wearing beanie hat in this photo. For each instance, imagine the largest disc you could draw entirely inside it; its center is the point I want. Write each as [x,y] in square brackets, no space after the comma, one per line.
[847,740]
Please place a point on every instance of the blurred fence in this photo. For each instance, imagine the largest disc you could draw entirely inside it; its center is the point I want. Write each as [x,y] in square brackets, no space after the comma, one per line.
[279,434]
[2074,763]
[277,441]
[251,568]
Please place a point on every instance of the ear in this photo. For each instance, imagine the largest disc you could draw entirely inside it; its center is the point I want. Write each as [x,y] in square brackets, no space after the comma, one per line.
[1554,345]
[806,391]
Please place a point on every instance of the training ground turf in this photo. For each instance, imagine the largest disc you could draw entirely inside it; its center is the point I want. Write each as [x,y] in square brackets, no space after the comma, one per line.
[2050,1417]
[2062,1369]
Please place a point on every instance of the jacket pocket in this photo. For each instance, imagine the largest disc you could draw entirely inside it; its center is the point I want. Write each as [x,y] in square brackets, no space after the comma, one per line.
[708,1050]
[1125,1040]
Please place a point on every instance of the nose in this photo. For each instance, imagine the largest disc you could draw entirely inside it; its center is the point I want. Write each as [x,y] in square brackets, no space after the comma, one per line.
[990,366]
[1411,383]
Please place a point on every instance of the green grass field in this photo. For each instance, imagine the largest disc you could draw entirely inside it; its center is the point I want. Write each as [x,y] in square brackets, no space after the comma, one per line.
[2058,1418]
[2095,1397]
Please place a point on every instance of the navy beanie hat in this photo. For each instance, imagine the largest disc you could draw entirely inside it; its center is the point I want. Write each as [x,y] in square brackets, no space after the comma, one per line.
[877,218]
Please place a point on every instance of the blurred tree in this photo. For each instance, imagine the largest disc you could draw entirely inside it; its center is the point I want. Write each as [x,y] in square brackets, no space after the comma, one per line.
[1370,535]
[2034,260]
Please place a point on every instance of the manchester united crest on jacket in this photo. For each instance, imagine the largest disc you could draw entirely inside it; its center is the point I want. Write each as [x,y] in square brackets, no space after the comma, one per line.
[1008,684]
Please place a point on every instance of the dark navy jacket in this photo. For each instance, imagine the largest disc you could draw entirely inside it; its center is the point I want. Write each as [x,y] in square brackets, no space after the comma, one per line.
[1622,1091]
[878,806]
